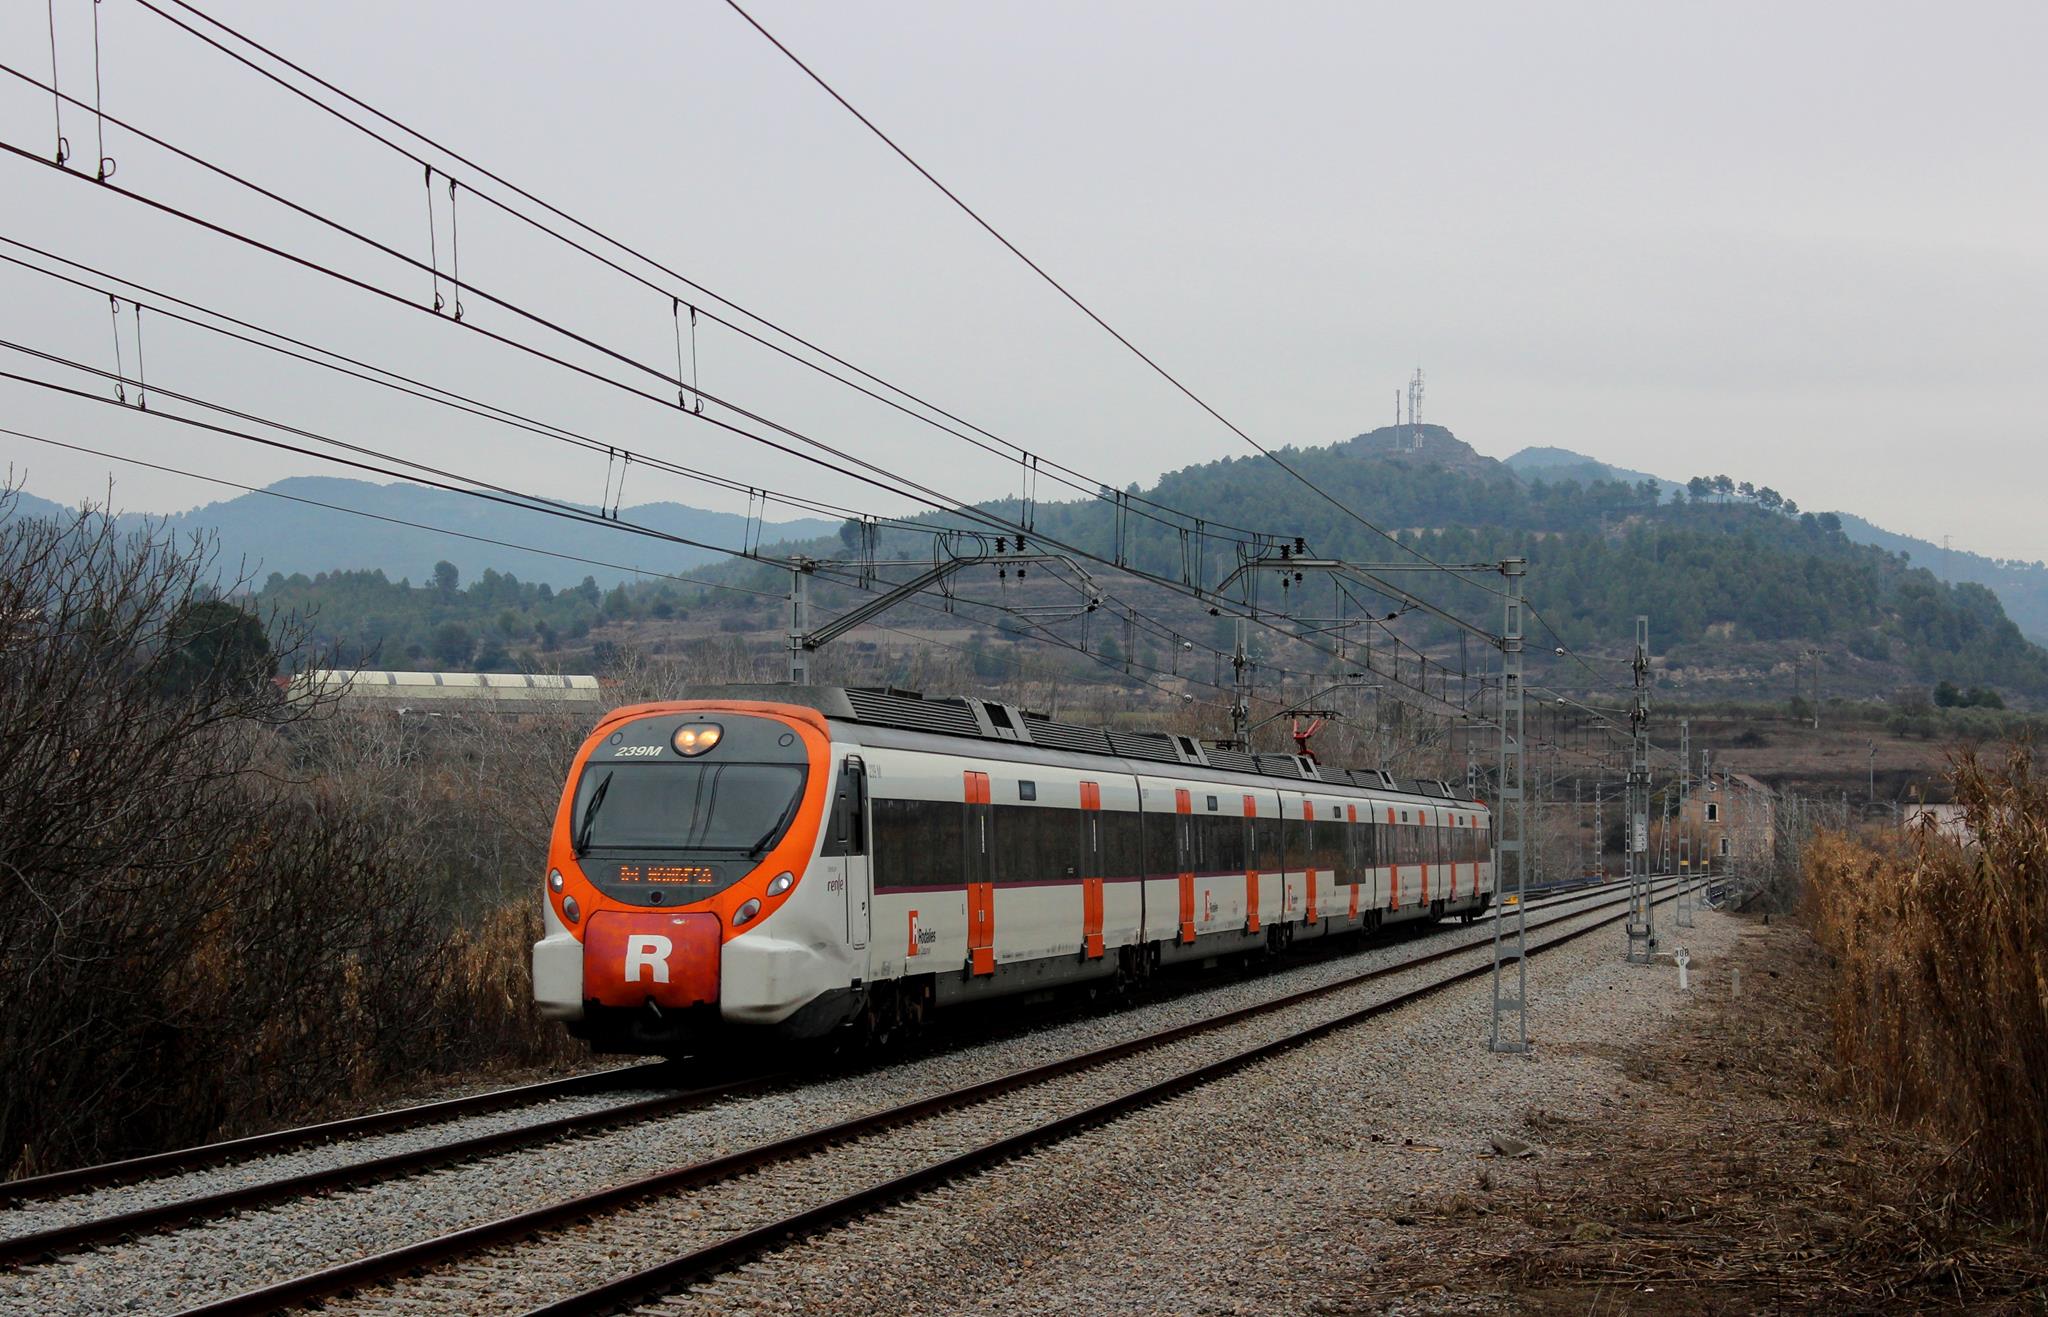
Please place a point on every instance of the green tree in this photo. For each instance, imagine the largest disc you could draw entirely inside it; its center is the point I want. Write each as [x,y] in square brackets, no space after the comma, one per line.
[452,644]
[213,637]
[446,578]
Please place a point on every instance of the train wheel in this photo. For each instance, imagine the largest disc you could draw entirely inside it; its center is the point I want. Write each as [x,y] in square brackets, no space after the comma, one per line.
[913,1010]
[881,1020]
[1133,972]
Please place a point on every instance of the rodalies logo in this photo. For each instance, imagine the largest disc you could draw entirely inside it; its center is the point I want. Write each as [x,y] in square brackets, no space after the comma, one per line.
[920,936]
[649,952]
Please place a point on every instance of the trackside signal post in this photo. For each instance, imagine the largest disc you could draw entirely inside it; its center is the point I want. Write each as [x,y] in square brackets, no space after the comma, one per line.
[1510,830]
[1642,918]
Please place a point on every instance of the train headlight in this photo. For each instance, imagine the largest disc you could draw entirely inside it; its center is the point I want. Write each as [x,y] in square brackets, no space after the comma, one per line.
[746,912]
[781,883]
[696,738]
[554,880]
[570,911]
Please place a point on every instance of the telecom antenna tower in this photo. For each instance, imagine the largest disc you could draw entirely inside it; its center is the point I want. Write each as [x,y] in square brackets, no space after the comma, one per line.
[1415,411]
[1642,919]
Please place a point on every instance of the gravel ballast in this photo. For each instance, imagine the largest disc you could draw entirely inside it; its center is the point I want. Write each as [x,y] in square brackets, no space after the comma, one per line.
[164,1273]
[1267,1192]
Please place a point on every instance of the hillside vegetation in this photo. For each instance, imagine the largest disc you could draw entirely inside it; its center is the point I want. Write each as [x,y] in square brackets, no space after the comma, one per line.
[1738,586]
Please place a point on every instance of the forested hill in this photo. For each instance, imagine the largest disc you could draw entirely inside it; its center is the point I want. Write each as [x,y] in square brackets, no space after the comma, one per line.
[2021,586]
[1735,590]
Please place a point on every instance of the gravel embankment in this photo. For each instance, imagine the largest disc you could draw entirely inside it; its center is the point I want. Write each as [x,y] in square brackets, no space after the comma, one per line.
[1269,1192]
[167,1272]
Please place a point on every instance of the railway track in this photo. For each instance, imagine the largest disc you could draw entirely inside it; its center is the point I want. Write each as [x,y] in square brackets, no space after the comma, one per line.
[97,1228]
[106,1175]
[734,1206]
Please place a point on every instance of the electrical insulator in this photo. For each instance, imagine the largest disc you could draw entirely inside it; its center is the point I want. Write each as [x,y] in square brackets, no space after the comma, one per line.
[1299,546]
[1020,573]
[1002,544]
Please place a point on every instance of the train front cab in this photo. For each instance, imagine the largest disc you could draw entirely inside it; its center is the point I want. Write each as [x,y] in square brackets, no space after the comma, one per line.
[706,869]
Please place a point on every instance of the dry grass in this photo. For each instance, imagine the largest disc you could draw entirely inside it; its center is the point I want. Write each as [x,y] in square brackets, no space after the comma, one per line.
[1940,1011]
[1728,1175]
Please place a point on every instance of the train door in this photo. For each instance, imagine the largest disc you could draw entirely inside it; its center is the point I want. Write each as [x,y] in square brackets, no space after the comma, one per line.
[1396,844]
[1184,861]
[1352,876]
[1091,870]
[849,838]
[981,891]
[1308,865]
[1251,864]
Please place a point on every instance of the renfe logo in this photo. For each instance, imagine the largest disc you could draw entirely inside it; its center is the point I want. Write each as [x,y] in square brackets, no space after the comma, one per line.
[913,934]
[648,951]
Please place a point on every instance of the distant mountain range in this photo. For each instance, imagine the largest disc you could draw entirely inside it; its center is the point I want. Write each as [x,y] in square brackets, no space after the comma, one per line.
[2021,587]
[1738,591]
[285,530]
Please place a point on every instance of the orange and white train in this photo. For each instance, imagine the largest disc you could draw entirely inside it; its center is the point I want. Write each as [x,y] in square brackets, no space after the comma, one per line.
[814,862]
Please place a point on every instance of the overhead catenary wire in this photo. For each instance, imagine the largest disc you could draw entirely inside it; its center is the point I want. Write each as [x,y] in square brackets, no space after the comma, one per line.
[420,472]
[1068,476]
[387,378]
[647,572]
[875,474]
[1082,306]
[940,502]
[880,478]
[612,497]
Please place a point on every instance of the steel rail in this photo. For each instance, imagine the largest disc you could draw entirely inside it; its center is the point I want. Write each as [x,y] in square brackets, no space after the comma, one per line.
[730,1252]
[235,1151]
[80,1179]
[57,1240]
[363,1272]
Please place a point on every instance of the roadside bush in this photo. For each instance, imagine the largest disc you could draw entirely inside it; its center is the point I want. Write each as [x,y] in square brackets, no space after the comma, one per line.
[200,940]
[1940,1016]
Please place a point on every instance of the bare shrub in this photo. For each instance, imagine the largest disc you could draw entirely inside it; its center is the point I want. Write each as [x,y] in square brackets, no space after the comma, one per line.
[217,918]
[1940,1019]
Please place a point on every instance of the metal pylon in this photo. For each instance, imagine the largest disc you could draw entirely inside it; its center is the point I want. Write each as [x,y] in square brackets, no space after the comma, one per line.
[1642,915]
[1510,831]
[1684,786]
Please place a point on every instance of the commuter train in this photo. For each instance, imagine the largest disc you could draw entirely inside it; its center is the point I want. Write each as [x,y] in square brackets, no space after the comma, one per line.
[809,862]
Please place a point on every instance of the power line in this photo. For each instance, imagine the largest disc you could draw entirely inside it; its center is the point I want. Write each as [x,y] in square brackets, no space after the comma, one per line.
[1043,636]
[420,389]
[1032,463]
[1063,291]
[385,517]
[880,478]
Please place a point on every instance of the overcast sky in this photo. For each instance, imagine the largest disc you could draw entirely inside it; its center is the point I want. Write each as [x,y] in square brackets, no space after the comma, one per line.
[1799,244]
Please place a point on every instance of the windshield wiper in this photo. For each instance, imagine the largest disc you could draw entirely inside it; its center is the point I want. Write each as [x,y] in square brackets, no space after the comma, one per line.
[590,814]
[773,831]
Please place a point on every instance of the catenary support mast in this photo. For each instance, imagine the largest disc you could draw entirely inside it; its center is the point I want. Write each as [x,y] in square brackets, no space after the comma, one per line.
[1510,831]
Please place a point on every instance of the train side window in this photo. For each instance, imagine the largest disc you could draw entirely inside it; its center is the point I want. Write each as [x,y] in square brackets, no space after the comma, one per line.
[848,834]
[1027,790]
[919,842]
[1120,844]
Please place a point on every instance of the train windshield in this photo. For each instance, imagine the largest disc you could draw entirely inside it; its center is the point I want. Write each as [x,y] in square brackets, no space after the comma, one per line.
[738,808]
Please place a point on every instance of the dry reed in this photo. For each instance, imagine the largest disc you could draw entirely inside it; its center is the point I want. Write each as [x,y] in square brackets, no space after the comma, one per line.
[1940,1014]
